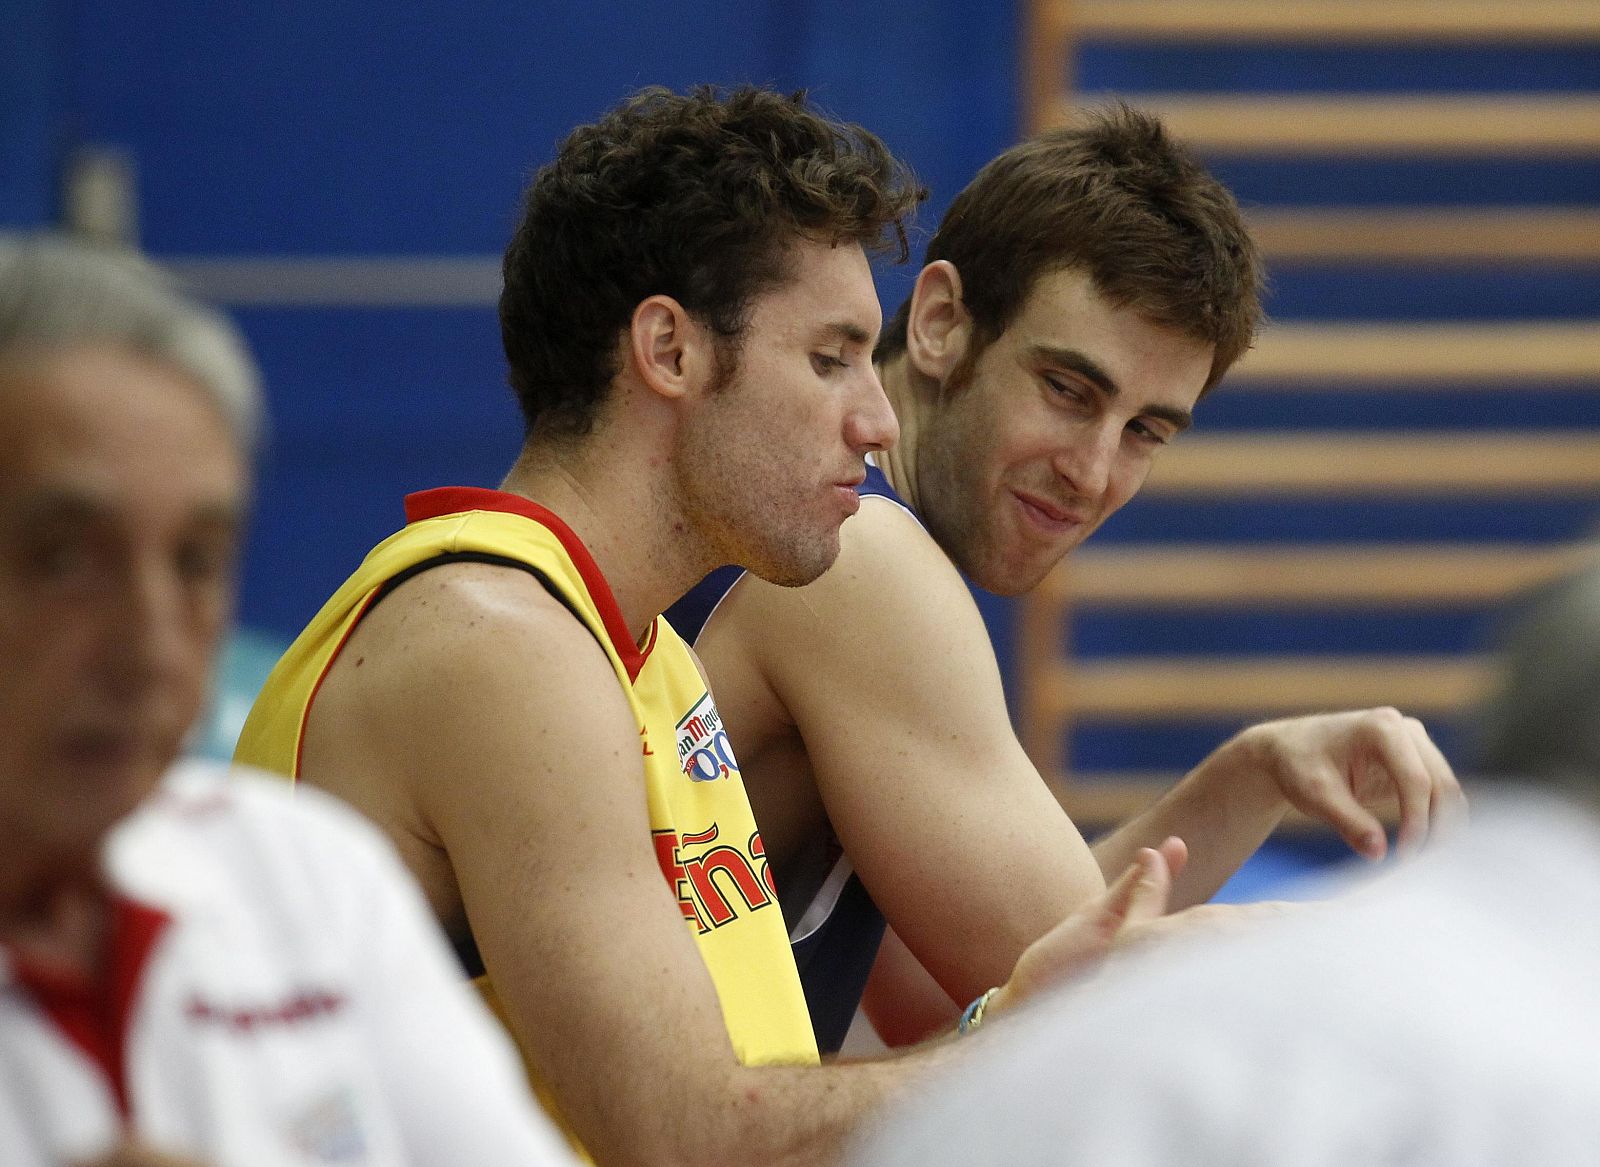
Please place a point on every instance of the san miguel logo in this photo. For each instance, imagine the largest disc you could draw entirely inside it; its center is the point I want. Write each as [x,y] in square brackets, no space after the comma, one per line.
[712,878]
[704,752]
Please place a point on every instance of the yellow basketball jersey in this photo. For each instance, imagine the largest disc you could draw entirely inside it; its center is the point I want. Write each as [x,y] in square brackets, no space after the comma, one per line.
[704,835]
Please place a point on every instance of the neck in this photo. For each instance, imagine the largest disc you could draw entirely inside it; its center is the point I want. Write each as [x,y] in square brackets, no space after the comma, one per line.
[611,497]
[913,397]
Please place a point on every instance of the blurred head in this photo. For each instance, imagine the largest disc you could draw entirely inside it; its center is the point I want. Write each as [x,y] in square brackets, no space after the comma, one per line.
[1543,720]
[127,414]
[703,198]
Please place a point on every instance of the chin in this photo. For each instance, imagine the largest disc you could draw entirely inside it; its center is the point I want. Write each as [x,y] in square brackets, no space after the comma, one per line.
[1009,578]
[797,567]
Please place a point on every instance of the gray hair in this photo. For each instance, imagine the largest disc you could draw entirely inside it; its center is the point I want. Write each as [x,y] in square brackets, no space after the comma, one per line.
[56,294]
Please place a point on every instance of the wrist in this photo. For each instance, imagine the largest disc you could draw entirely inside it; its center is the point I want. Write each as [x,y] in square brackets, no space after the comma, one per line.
[1245,772]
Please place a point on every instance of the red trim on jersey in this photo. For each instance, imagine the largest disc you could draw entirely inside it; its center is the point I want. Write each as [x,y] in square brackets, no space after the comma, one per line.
[452,500]
[327,667]
[95,1014]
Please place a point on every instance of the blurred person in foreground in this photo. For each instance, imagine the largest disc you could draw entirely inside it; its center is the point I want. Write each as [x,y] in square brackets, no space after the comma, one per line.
[191,964]
[1446,1015]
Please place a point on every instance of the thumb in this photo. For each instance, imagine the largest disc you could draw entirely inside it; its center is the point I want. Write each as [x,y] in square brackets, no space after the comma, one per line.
[1081,941]
[1176,852]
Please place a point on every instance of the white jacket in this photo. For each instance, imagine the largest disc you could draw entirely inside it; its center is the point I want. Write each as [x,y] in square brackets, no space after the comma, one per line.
[297,1005]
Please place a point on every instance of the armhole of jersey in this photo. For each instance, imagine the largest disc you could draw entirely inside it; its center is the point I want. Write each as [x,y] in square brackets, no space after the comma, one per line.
[823,903]
[722,599]
[466,947]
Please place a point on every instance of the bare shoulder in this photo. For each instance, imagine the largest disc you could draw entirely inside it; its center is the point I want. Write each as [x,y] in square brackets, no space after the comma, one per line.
[460,600]
[443,635]
[460,670]
[885,546]
[891,580]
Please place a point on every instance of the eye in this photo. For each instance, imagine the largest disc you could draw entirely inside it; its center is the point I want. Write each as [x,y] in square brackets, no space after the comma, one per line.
[1147,433]
[207,555]
[60,557]
[825,363]
[1068,390]
[200,563]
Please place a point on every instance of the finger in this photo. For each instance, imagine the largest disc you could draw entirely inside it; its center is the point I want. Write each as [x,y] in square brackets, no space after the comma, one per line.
[1176,852]
[1080,942]
[1397,750]
[1331,799]
[1152,887]
[1452,813]
[1448,805]
[1143,886]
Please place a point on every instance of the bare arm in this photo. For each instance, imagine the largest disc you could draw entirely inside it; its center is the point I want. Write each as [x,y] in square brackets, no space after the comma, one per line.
[885,666]
[500,719]
[1334,767]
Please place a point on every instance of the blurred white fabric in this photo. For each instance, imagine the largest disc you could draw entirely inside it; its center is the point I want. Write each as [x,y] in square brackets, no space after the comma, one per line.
[1446,1014]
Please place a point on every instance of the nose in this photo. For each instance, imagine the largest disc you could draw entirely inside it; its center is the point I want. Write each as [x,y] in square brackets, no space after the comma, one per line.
[149,636]
[1086,463]
[871,424]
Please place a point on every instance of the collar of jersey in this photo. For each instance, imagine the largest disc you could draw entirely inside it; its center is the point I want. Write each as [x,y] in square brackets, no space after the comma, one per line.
[455,500]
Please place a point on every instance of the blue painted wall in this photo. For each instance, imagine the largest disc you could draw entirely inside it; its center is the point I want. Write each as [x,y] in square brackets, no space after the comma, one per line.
[32,122]
[329,127]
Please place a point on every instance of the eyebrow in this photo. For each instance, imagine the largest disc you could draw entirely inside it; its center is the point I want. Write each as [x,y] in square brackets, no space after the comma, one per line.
[845,330]
[68,507]
[1090,370]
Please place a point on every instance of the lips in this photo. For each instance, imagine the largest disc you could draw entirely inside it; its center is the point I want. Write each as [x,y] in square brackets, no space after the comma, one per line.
[1047,518]
[849,494]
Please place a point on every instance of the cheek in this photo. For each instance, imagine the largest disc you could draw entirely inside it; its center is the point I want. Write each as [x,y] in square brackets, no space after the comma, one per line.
[209,619]
[1126,479]
[48,652]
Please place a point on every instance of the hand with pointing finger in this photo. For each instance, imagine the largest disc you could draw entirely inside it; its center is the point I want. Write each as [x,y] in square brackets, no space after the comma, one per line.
[1335,767]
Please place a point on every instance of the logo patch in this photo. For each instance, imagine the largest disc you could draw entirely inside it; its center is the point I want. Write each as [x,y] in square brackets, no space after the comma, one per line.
[704,752]
[710,877]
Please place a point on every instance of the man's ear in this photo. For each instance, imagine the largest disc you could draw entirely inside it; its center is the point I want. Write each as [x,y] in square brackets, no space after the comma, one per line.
[939,327]
[670,350]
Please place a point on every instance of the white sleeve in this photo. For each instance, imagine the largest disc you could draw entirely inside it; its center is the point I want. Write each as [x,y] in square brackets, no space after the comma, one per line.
[454,1082]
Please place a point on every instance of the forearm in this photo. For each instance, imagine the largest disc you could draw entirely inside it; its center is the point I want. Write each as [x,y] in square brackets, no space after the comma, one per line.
[1223,809]
[774,1115]
[714,1112]
[807,1115]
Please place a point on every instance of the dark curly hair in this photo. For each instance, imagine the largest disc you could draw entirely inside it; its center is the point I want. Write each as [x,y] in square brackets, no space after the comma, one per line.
[696,196]
[1117,198]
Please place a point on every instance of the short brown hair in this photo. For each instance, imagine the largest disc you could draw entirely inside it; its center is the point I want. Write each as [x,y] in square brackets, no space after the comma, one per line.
[1117,198]
[697,196]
